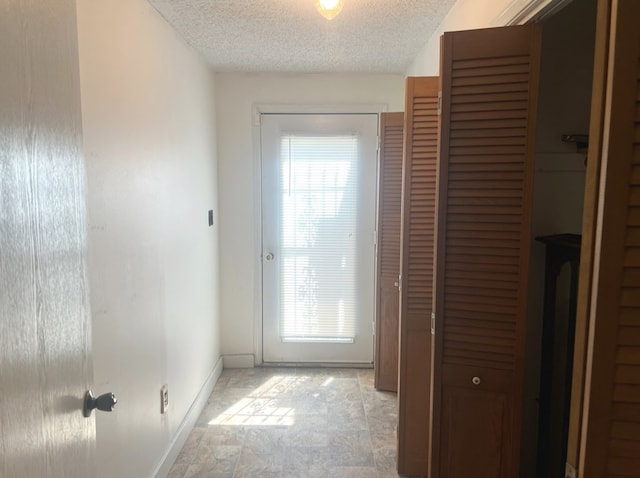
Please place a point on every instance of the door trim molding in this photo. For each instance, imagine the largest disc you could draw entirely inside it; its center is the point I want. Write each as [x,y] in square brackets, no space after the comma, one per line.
[257,109]
[519,12]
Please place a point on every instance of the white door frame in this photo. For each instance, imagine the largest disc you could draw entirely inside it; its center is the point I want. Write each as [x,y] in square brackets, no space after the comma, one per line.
[257,110]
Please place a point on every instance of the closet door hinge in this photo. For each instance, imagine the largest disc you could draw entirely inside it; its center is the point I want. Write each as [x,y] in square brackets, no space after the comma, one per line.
[439,103]
[433,323]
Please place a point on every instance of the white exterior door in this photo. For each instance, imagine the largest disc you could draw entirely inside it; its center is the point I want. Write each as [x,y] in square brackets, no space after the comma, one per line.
[318,210]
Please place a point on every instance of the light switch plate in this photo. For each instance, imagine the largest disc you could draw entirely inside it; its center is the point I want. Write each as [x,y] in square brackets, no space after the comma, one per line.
[164,399]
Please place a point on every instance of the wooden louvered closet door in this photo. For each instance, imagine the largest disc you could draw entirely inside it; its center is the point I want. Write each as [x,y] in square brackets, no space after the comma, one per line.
[418,211]
[489,96]
[388,251]
[611,444]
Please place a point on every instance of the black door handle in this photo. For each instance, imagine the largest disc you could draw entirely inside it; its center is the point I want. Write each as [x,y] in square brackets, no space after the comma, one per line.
[105,402]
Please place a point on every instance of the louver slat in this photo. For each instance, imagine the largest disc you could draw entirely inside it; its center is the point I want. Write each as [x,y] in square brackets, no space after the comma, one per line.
[418,222]
[489,88]
[388,251]
[624,437]
[497,212]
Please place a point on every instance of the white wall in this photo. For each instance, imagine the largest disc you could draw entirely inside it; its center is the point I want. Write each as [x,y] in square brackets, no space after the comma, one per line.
[472,14]
[239,179]
[464,15]
[149,131]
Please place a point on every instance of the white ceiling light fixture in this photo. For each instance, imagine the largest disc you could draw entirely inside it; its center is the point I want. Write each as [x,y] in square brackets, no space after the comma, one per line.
[329,9]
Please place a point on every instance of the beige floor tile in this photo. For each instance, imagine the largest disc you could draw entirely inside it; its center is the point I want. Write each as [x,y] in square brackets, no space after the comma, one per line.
[190,448]
[222,459]
[251,463]
[384,437]
[178,470]
[351,448]
[293,422]
[315,421]
[385,459]
[207,470]
[307,437]
[307,461]
[222,436]
[353,472]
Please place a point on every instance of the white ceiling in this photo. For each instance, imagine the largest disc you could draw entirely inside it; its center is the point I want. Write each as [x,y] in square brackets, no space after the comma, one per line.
[372,36]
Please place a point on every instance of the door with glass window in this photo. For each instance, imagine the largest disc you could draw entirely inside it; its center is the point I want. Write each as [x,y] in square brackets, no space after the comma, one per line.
[318,230]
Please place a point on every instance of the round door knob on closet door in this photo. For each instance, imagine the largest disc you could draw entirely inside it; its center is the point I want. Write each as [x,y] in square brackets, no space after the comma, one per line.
[269,256]
[476,380]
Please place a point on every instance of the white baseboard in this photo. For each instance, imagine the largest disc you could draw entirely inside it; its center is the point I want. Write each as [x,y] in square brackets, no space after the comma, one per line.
[190,419]
[239,361]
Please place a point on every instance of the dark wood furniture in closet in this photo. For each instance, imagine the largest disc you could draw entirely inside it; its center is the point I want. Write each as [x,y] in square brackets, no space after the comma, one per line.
[556,358]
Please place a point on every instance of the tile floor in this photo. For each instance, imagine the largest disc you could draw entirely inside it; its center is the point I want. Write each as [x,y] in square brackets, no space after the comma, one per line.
[293,422]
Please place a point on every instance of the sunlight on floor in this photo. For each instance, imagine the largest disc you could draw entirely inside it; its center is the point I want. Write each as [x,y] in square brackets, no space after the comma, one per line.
[264,405]
[293,422]
[261,407]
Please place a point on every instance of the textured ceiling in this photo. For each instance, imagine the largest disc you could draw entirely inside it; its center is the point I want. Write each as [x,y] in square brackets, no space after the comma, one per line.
[373,36]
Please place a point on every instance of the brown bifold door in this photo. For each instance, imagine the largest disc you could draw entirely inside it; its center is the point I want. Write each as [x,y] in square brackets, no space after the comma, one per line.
[388,251]
[489,95]
[610,444]
[416,285]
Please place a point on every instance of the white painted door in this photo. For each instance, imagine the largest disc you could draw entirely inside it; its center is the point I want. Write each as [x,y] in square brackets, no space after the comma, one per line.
[45,346]
[318,212]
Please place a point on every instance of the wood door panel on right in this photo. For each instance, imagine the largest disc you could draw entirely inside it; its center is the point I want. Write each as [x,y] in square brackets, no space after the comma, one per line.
[485,171]
[475,404]
[610,444]
[466,415]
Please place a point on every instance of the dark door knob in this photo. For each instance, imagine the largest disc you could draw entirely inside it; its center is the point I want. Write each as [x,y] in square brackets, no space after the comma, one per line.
[105,402]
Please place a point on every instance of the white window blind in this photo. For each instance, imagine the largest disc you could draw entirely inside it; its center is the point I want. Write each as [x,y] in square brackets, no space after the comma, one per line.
[318,193]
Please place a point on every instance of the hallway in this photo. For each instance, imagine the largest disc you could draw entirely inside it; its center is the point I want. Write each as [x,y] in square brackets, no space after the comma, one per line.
[293,422]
